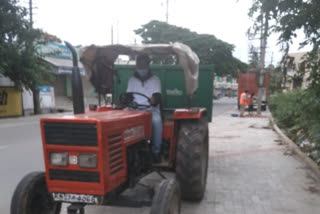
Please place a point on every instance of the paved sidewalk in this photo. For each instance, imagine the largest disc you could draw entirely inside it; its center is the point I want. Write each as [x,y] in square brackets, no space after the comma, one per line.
[250,172]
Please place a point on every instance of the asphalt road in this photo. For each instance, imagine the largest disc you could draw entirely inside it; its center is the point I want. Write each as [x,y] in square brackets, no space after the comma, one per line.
[21,150]
[20,153]
[224,105]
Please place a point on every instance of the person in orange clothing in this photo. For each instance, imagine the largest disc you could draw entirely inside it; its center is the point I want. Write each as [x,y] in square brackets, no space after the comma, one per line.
[243,102]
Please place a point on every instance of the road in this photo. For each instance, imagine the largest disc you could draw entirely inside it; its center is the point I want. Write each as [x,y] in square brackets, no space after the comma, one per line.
[246,175]
[223,105]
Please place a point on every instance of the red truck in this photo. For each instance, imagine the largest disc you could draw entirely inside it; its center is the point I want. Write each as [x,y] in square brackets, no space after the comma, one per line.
[249,81]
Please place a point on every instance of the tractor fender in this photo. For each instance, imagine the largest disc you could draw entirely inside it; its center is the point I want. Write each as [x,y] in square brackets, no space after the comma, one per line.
[191,113]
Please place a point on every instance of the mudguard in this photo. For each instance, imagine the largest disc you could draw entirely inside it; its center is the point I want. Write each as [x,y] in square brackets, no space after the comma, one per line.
[191,113]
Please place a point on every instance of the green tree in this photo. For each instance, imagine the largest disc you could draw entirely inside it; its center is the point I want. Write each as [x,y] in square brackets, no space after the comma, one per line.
[299,110]
[288,17]
[209,49]
[19,59]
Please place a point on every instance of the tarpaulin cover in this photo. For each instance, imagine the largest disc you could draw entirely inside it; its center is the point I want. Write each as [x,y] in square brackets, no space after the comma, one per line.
[108,55]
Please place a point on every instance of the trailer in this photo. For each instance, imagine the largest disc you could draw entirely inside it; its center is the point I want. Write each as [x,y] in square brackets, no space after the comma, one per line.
[249,81]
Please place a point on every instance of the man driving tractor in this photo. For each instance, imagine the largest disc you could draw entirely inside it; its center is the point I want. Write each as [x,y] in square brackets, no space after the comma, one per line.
[145,83]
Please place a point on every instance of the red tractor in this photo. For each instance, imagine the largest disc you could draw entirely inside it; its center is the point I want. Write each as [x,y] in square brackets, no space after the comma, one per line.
[92,157]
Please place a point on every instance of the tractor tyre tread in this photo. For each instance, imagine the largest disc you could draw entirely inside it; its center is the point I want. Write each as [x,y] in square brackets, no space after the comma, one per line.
[163,195]
[193,134]
[23,191]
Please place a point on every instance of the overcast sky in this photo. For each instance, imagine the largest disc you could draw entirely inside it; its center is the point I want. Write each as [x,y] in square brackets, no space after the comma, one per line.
[89,22]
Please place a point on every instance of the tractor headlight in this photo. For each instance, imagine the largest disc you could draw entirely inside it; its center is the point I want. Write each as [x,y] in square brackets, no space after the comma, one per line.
[59,159]
[87,160]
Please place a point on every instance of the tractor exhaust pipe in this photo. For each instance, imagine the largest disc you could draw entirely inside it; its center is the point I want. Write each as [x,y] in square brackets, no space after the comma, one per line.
[77,91]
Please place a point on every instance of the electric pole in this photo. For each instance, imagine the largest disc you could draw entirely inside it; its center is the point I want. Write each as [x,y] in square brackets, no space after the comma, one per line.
[167,13]
[35,90]
[30,16]
[263,45]
[111,34]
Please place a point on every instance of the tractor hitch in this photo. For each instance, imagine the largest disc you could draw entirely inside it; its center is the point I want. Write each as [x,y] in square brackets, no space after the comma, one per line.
[76,208]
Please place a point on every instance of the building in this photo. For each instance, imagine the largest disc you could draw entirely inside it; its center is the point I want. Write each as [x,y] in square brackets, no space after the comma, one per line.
[297,74]
[62,66]
[225,86]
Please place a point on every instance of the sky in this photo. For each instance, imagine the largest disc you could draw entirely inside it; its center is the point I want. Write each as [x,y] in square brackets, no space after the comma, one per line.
[86,22]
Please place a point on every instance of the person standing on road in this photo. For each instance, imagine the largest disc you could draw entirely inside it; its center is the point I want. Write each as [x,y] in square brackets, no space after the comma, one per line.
[250,102]
[243,102]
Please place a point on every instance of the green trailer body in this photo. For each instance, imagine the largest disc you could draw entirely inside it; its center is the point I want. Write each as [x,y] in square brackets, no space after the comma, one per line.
[173,86]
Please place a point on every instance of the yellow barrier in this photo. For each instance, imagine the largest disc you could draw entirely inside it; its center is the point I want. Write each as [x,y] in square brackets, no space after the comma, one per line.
[10,102]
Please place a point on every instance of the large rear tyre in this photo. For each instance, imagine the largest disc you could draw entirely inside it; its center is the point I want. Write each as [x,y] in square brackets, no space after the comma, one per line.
[32,197]
[167,198]
[192,158]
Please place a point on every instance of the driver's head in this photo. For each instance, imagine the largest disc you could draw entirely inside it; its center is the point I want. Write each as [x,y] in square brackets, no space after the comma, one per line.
[142,64]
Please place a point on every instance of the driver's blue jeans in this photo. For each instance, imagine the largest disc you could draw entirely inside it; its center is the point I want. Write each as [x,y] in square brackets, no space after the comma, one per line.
[156,131]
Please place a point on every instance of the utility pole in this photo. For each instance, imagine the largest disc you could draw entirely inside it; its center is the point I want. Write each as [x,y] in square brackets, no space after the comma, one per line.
[30,11]
[111,34]
[263,45]
[35,90]
[118,31]
[167,13]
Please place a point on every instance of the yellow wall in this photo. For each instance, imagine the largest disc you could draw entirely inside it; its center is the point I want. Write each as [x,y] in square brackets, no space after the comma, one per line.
[10,102]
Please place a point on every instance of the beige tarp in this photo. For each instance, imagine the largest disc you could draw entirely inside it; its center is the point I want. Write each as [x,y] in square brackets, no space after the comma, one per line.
[108,54]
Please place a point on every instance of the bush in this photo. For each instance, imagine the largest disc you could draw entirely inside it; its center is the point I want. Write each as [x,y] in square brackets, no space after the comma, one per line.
[298,113]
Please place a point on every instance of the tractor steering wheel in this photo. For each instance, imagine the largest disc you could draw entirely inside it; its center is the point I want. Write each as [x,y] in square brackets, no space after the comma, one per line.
[127,100]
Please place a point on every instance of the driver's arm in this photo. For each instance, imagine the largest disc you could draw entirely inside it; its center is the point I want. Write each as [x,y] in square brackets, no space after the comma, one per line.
[155,99]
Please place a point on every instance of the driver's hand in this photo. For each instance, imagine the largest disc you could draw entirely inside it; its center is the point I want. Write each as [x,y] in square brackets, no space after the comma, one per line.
[125,99]
[152,101]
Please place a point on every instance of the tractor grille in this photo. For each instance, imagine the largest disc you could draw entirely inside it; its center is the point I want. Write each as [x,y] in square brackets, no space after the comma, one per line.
[70,175]
[71,134]
[115,153]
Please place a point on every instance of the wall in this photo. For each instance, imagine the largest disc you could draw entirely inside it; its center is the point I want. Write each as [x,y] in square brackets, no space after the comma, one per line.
[27,102]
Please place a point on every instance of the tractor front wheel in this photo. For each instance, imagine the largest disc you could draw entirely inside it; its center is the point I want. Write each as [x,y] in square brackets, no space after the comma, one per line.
[192,158]
[166,199]
[32,197]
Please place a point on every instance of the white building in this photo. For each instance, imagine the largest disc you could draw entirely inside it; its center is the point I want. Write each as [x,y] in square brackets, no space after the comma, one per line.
[294,66]
[225,86]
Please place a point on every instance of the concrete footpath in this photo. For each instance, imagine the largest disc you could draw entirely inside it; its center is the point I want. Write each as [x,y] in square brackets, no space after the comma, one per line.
[252,172]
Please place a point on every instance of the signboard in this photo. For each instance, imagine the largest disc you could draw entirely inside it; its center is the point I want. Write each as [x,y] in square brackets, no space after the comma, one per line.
[10,102]
[68,70]
[56,50]
[47,100]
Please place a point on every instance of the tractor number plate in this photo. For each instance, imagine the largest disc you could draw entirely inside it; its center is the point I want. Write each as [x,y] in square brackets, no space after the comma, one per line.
[75,198]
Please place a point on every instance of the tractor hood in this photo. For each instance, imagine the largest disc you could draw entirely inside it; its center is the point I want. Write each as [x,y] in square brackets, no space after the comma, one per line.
[108,54]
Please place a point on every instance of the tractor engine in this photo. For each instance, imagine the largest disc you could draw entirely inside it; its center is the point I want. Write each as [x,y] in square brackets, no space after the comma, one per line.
[90,155]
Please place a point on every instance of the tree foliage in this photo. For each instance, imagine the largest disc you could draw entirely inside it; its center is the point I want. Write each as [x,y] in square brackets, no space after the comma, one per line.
[288,17]
[297,111]
[19,59]
[209,49]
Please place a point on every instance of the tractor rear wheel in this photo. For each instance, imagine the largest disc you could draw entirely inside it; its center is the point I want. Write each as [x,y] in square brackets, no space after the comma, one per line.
[32,197]
[192,158]
[167,198]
